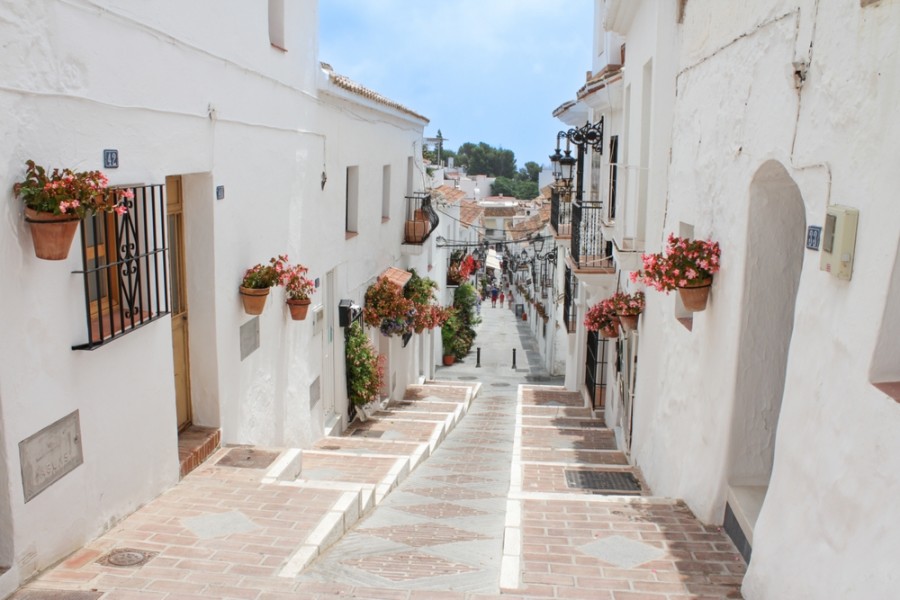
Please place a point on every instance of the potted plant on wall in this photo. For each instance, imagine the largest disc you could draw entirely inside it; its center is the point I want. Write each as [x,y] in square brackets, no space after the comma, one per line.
[628,308]
[257,281]
[56,202]
[298,288]
[365,371]
[686,265]
[602,317]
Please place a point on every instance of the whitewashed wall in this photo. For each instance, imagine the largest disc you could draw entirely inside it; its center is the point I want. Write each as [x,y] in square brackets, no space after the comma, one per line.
[739,121]
[221,107]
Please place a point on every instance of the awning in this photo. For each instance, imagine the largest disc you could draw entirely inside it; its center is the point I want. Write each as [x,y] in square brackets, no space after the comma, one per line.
[398,276]
[493,260]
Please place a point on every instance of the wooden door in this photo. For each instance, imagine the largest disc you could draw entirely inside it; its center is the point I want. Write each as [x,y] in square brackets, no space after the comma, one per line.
[178,300]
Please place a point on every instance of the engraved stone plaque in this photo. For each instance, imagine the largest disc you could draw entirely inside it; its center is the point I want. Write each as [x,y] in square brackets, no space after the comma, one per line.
[49,454]
[249,337]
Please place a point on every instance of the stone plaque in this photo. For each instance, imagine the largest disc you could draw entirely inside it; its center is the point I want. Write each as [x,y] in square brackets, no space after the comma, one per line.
[49,454]
[249,337]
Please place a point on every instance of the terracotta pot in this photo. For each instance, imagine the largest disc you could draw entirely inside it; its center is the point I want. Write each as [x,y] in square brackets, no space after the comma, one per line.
[449,359]
[298,308]
[415,231]
[629,322]
[254,300]
[51,234]
[694,296]
[610,331]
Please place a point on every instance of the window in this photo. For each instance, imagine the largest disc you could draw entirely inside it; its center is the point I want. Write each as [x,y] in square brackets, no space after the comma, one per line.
[351,211]
[386,193]
[613,174]
[276,24]
[124,267]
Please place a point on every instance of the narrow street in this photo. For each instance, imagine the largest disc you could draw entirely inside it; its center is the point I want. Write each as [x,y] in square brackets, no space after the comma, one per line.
[487,483]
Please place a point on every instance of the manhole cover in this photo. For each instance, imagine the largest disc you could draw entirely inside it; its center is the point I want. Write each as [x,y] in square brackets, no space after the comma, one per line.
[248,458]
[603,481]
[126,557]
[500,384]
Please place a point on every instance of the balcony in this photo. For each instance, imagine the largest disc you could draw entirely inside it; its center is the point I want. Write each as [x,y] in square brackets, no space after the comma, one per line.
[592,253]
[421,219]
[561,213]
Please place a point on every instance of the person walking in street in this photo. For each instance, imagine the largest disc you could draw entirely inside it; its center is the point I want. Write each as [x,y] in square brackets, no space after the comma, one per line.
[494,293]
[502,296]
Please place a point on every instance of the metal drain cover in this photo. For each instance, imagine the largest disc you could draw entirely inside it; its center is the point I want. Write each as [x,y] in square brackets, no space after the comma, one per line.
[618,482]
[249,458]
[368,433]
[126,557]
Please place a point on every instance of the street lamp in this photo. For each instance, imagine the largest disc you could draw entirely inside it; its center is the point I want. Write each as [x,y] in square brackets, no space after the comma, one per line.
[589,135]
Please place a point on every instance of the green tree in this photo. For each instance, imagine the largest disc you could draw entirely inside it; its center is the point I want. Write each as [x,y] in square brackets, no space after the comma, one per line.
[484,159]
[523,190]
[531,172]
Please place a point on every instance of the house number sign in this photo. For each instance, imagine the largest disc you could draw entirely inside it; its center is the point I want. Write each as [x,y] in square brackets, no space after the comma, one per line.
[813,237]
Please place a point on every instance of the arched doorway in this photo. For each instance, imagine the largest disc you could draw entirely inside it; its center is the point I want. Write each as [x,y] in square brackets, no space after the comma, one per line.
[774,258]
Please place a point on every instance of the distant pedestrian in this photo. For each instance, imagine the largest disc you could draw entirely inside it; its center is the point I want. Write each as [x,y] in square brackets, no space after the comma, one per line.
[494,293]
[502,296]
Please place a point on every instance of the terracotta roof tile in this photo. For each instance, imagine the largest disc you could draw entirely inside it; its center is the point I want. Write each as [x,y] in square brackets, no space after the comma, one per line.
[348,84]
[500,211]
[469,212]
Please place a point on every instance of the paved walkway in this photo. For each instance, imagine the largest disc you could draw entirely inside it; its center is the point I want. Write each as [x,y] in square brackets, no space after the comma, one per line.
[478,486]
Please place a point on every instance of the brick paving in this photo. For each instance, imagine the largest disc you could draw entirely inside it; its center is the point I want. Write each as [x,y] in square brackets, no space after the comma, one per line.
[432,499]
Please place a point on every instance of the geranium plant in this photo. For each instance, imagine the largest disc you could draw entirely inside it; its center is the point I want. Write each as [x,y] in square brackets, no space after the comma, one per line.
[429,314]
[628,304]
[601,316]
[684,263]
[296,285]
[387,308]
[67,192]
[365,368]
[265,276]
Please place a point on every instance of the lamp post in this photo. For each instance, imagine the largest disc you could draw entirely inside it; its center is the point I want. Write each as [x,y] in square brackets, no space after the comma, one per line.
[589,135]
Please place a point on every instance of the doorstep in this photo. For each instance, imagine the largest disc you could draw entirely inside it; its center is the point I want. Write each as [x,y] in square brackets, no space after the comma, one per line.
[195,445]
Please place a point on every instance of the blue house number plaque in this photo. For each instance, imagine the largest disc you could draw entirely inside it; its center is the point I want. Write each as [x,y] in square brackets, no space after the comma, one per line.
[813,237]
[110,159]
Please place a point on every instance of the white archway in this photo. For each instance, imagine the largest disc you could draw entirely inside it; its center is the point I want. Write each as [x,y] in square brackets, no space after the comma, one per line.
[774,258]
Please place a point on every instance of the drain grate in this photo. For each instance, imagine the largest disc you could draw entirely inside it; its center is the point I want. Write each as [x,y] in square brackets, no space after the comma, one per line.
[248,458]
[619,482]
[126,557]
[368,433]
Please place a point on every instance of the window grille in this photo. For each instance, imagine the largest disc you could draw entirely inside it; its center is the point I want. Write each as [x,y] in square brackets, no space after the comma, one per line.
[125,267]
[570,316]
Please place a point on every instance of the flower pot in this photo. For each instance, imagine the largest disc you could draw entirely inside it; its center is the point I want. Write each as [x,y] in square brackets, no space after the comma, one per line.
[449,359]
[695,295]
[415,231]
[254,300]
[611,330]
[629,322]
[51,234]
[298,308]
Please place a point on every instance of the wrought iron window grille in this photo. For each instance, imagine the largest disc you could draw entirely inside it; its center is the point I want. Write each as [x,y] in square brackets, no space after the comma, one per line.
[125,267]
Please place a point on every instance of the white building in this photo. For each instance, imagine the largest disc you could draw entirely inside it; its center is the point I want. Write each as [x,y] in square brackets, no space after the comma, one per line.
[252,150]
[774,411]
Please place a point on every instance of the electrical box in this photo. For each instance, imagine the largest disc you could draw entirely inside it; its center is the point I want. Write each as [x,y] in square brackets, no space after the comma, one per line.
[839,241]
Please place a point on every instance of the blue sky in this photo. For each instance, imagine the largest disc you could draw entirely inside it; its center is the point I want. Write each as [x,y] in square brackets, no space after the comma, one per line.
[481,70]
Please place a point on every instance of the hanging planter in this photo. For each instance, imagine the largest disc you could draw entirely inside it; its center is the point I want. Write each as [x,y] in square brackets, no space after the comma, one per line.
[51,234]
[686,265]
[611,330]
[257,281]
[298,308]
[56,201]
[628,308]
[298,287]
[695,295]
[254,299]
